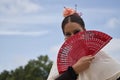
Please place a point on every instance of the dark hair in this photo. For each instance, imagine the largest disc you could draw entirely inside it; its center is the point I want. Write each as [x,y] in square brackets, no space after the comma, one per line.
[73,18]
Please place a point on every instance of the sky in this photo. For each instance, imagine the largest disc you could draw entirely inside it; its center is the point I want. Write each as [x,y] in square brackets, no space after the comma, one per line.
[30,28]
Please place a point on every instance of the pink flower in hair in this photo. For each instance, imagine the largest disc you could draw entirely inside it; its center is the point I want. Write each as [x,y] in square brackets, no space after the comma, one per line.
[68,12]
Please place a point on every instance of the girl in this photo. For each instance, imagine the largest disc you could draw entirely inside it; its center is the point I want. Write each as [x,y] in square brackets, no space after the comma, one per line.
[98,67]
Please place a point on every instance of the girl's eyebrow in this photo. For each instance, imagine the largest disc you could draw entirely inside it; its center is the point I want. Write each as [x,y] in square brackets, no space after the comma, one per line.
[76,30]
[73,31]
[67,33]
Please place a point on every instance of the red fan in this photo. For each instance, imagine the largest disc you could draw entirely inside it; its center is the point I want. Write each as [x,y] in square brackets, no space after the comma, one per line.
[82,44]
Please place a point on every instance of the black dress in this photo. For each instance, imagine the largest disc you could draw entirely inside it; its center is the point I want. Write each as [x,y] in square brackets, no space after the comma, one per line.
[70,74]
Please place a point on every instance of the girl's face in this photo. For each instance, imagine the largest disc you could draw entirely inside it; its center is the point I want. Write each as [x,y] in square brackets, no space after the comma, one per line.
[71,29]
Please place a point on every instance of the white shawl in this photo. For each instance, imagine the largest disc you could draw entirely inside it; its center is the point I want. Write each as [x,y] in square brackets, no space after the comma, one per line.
[103,67]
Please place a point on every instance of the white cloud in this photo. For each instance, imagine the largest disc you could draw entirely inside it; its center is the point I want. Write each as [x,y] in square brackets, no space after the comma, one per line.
[14,62]
[97,12]
[113,45]
[113,23]
[36,19]
[113,48]
[19,60]
[21,33]
[26,22]
[94,10]
[18,6]
[54,50]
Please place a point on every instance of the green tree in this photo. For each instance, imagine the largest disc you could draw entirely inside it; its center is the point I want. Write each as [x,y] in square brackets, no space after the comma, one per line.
[38,69]
[4,75]
[18,74]
[34,70]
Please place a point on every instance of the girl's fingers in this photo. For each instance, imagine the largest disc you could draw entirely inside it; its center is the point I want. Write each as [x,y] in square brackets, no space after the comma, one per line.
[90,57]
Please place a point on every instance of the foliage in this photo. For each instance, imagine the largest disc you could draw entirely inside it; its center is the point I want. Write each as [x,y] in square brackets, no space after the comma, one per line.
[34,70]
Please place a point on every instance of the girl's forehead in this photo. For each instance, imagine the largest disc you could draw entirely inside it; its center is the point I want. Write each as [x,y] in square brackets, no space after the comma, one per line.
[72,25]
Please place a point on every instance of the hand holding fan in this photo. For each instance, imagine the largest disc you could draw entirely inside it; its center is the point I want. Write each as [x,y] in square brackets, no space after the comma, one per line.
[82,44]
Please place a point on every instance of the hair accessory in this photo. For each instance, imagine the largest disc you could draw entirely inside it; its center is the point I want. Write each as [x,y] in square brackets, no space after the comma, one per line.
[80,13]
[76,7]
[70,11]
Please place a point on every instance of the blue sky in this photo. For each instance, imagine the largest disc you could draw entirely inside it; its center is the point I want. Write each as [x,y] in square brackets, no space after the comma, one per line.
[30,28]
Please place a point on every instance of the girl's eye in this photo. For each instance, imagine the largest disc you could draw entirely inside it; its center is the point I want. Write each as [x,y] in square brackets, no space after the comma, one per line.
[76,31]
[67,34]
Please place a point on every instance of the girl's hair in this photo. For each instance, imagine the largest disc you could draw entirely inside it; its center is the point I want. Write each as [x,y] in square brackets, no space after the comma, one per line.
[73,18]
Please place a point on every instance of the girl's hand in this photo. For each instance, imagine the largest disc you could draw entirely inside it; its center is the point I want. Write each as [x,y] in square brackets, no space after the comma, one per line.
[82,64]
